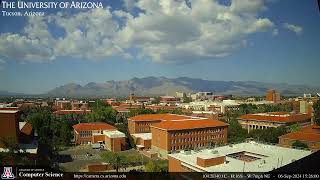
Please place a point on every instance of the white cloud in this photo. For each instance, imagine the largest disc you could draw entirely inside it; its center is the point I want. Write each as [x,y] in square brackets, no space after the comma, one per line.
[294,28]
[166,31]
[170,31]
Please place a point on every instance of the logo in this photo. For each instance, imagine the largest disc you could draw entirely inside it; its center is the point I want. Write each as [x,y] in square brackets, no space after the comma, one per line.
[7,173]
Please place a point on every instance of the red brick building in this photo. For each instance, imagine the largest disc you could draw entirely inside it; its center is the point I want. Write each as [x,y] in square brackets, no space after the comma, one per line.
[17,132]
[273,95]
[272,120]
[169,100]
[9,125]
[141,123]
[171,132]
[309,135]
[99,133]
[171,136]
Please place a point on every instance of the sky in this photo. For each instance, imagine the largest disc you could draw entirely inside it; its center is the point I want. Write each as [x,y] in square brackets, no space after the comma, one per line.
[237,40]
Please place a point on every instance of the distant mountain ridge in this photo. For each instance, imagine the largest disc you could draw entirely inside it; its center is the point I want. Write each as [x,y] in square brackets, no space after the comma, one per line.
[154,86]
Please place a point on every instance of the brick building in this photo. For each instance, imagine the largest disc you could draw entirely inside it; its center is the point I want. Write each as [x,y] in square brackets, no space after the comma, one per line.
[272,120]
[171,100]
[17,132]
[171,132]
[273,95]
[9,125]
[142,123]
[171,136]
[309,135]
[101,134]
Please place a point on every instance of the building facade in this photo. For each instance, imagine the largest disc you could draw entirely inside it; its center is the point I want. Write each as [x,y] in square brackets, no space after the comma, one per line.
[272,120]
[20,133]
[309,135]
[101,134]
[9,125]
[273,95]
[171,136]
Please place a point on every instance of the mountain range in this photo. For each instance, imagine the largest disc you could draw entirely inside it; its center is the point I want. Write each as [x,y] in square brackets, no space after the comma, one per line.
[154,86]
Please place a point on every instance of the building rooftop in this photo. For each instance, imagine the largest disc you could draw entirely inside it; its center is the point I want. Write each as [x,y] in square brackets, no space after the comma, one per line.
[282,117]
[93,126]
[9,111]
[264,157]
[308,133]
[161,117]
[63,112]
[114,134]
[188,124]
[25,128]
[144,136]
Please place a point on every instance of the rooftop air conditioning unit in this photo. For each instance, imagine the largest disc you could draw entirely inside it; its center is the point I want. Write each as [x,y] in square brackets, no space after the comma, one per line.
[214,151]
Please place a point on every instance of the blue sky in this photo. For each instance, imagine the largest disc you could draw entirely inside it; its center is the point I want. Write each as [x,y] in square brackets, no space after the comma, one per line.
[267,41]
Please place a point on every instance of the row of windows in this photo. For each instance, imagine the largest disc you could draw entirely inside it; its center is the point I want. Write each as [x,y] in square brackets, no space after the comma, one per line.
[179,140]
[143,124]
[146,129]
[189,146]
[85,133]
[197,132]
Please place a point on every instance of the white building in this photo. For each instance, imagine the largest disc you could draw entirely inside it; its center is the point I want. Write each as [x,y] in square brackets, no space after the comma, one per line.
[243,157]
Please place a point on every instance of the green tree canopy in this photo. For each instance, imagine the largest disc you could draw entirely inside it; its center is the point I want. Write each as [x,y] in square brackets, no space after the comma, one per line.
[316,108]
[300,144]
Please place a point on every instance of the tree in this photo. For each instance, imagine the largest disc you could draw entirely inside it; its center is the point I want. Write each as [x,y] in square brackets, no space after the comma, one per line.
[235,132]
[316,108]
[187,99]
[117,161]
[156,166]
[102,114]
[269,135]
[151,166]
[300,144]
[68,106]
[135,112]
[294,127]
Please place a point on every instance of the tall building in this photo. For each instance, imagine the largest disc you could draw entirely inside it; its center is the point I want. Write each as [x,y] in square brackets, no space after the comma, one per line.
[17,132]
[272,120]
[273,95]
[9,125]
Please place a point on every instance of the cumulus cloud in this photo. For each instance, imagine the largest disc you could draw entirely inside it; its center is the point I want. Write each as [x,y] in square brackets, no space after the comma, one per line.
[164,31]
[294,28]
[171,31]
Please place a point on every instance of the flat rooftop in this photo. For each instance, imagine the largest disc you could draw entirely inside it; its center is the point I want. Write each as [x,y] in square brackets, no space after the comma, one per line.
[161,117]
[114,134]
[282,117]
[144,136]
[262,157]
[188,124]
[9,111]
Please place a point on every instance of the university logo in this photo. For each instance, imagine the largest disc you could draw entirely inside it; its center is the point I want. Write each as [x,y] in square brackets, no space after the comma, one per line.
[7,173]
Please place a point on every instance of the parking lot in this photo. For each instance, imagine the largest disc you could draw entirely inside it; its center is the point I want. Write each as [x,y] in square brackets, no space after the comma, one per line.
[76,158]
